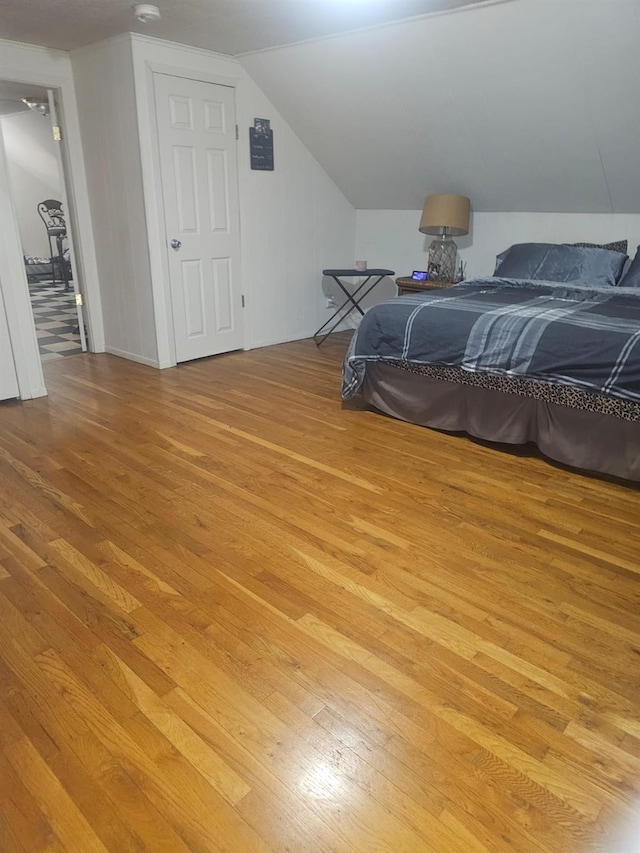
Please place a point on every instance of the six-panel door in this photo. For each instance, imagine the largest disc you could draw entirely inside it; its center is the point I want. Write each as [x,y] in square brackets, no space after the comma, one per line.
[197,140]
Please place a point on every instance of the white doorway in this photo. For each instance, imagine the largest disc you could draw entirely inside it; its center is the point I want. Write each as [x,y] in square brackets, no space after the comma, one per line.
[198,161]
[8,377]
[36,183]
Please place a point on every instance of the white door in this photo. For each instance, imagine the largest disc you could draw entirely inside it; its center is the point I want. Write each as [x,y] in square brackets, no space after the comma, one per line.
[197,140]
[8,379]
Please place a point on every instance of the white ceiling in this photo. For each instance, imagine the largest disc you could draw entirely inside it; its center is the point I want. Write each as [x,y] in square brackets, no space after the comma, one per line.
[531,105]
[523,105]
[226,26]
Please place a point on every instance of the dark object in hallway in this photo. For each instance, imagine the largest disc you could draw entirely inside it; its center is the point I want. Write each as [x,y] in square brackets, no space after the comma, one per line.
[50,211]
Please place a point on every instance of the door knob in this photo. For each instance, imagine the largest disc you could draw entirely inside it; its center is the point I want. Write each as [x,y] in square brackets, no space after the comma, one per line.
[175,244]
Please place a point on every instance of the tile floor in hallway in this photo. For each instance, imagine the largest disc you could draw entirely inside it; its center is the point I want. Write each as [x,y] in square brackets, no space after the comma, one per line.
[56,320]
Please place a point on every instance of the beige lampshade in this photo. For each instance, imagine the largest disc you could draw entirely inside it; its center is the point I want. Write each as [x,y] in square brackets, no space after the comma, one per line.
[445,211]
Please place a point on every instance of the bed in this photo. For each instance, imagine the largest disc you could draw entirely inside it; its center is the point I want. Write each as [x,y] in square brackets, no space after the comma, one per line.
[512,360]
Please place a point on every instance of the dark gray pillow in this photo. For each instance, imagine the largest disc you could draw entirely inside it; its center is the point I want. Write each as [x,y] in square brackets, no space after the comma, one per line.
[551,262]
[618,246]
[632,276]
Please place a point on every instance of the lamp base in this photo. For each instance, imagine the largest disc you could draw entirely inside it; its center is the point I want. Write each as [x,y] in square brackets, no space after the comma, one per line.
[442,260]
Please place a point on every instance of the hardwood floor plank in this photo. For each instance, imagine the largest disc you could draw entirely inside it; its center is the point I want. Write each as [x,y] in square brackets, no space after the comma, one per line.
[23,825]
[238,617]
[61,811]
[206,762]
[146,822]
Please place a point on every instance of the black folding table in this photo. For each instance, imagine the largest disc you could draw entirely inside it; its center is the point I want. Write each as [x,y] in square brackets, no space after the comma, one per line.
[353,299]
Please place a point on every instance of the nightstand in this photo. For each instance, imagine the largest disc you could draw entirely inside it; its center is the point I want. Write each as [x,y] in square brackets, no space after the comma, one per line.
[406,284]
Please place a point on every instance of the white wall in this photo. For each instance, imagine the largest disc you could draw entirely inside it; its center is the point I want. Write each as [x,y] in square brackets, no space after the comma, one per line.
[44,68]
[294,220]
[33,175]
[525,105]
[107,105]
[391,238]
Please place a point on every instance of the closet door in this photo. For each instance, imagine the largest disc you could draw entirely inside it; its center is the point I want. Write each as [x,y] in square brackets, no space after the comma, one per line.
[197,139]
[8,380]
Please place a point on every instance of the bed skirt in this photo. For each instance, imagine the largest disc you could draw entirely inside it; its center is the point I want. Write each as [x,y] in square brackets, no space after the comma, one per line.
[587,440]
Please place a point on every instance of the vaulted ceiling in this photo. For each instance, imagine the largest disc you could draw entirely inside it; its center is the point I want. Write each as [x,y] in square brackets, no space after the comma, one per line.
[529,105]
[227,26]
[523,105]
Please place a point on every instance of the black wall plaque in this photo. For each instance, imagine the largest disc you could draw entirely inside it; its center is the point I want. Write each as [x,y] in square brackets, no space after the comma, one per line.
[261,145]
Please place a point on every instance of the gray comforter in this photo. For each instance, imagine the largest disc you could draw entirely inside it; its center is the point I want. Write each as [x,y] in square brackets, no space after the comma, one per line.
[567,335]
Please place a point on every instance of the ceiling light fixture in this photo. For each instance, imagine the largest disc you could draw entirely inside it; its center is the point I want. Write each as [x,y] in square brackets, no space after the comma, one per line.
[37,105]
[146,13]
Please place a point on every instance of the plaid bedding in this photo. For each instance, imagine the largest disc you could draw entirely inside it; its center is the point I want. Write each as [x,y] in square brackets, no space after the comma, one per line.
[558,334]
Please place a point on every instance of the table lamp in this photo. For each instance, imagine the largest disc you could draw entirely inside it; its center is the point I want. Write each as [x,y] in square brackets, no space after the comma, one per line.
[447,216]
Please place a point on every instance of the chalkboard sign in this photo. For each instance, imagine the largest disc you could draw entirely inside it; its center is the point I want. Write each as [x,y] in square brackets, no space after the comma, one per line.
[261,145]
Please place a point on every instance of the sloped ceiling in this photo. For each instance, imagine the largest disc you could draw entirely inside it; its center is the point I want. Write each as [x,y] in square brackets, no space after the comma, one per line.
[529,105]
[226,26]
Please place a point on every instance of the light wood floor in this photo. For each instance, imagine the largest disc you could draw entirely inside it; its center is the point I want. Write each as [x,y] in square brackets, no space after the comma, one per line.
[234,617]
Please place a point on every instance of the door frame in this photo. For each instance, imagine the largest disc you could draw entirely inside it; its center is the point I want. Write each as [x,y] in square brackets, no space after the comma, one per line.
[156,225]
[16,297]
[78,284]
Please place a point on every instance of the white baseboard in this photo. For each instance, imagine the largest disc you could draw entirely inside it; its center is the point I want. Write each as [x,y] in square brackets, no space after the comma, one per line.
[39,391]
[131,356]
[269,342]
[296,336]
